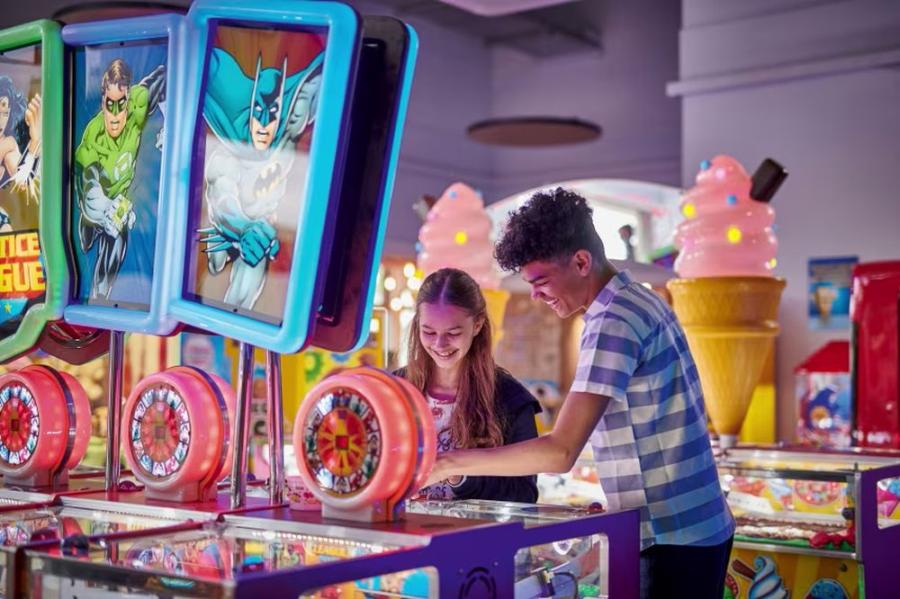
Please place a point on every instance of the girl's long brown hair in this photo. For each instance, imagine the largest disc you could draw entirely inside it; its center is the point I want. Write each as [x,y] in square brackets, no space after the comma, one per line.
[475,421]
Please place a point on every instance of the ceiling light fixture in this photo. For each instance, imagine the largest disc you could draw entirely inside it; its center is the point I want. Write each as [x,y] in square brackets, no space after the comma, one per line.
[534,131]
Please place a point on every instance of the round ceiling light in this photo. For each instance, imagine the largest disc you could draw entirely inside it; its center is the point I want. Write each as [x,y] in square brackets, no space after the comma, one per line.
[533,131]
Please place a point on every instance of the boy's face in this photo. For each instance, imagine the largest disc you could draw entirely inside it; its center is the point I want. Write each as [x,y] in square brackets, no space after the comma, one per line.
[559,283]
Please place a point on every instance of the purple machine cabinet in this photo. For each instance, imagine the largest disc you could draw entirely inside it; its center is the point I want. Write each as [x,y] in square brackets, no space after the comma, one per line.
[458,549]
[815,518]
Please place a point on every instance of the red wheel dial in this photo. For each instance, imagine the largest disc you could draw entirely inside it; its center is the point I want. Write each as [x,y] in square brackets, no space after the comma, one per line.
[160,431]
[343,441]
[19,424]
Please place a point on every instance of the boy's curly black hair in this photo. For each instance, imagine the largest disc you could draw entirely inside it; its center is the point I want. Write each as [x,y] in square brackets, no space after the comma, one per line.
[551,225]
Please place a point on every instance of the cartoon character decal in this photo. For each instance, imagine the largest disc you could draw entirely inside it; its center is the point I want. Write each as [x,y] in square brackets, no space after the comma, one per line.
[20,142]
[256,121]
[106,161]
[22,282]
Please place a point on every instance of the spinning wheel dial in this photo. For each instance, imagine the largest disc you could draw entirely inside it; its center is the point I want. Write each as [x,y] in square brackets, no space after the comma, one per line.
[38,442]
[179,433]
[343,442]
[160,431]
[366,440]
[19,424]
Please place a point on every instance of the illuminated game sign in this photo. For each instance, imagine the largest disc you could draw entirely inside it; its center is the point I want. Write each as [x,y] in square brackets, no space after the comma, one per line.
[272,97]
[259,110]
[122,185]
[21,274]
[33,272]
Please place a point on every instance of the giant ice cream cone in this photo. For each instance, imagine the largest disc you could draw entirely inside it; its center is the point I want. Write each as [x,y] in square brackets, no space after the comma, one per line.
[496,300]
[730,323]
[727,301]
[457,234]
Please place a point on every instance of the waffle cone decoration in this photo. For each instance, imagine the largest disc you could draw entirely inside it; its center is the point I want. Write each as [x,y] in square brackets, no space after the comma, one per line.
[730,323]
[496,300]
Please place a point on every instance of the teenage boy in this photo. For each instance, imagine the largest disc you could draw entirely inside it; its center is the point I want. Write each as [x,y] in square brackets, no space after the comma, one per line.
[636,397]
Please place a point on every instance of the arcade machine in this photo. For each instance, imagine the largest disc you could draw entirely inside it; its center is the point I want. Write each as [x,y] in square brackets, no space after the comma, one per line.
[268,167]
[121,204]
[875,315]
[44,414]
[823,522]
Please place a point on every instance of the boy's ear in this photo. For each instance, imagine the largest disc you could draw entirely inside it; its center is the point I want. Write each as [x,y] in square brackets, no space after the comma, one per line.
[583,261]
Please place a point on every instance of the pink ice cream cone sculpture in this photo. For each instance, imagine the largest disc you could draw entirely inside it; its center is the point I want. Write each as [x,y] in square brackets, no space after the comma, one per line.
[727,296]
[457,234]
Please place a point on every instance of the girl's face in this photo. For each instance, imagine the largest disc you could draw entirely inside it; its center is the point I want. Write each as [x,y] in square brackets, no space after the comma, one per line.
[446,332]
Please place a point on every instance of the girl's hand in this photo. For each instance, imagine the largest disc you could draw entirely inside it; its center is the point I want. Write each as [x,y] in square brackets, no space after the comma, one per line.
[438,473]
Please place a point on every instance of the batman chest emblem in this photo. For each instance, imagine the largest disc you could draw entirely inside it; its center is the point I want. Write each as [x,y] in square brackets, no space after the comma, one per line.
[268,180]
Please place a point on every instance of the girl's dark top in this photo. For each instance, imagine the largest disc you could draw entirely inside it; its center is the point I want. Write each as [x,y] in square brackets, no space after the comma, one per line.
[516,407]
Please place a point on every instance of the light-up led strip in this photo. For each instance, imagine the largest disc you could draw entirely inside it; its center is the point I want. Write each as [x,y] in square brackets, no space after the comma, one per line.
[17,446]
[160,446]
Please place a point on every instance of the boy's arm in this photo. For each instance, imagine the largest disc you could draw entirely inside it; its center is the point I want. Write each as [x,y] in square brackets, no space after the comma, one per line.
[556,451]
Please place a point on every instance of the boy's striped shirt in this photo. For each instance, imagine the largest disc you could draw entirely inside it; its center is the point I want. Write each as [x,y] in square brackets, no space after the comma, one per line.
[651,446]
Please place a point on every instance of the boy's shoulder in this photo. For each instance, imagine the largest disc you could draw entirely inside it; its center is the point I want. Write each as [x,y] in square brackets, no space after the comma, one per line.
[640,307]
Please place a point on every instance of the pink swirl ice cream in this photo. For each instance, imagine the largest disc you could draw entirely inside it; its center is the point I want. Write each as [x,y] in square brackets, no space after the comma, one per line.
[726,232]
[457,234]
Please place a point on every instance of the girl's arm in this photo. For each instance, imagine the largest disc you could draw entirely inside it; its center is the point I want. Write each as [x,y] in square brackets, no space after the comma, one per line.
[506,488]
[556,451]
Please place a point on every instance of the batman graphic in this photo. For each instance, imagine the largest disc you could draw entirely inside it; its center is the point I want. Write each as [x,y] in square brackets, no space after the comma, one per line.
[256,122]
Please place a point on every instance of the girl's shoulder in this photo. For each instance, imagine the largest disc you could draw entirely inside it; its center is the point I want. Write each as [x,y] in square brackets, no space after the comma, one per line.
[512,395]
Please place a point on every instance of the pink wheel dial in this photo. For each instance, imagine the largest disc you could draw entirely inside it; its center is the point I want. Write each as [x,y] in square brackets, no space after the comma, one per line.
[176,433]
[35,433]
[19,423]
[160,431]
[358,437]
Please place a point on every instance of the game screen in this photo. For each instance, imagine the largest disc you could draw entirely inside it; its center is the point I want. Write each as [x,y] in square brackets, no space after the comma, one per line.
[119,106]
[258,104]
[22,281]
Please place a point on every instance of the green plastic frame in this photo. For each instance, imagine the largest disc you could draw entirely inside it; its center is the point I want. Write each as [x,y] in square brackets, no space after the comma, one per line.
[56,270]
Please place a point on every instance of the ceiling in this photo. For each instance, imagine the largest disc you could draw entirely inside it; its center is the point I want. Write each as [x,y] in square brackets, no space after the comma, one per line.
[559,29]
[543,32]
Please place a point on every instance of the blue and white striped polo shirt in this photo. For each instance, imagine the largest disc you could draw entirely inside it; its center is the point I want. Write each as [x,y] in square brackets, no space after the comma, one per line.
[651,446]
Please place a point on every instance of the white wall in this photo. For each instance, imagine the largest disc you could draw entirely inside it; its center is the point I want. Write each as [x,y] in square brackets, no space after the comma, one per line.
[450,90]
[620,87]
[815,85]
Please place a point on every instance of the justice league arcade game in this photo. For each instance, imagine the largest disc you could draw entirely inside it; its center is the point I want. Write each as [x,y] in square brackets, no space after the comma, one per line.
[44,414]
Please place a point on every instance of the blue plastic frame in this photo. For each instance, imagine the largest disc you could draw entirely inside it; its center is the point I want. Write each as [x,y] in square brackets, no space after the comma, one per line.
[323,178]
[156,320]
[390,175]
